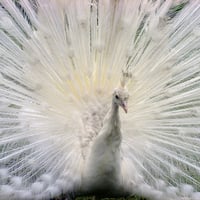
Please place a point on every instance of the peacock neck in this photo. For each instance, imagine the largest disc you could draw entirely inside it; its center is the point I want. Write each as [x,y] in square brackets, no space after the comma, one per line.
[112,117]
[114,112]
[112,122]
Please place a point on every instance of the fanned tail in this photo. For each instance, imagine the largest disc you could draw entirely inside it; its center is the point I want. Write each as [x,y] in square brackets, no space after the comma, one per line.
[60,61]
[161,131]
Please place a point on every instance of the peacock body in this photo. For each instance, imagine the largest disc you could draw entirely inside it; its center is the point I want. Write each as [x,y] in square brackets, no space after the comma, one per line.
[68,69]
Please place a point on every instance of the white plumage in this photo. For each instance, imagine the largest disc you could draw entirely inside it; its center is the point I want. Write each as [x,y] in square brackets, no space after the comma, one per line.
[63,68]
[102,167]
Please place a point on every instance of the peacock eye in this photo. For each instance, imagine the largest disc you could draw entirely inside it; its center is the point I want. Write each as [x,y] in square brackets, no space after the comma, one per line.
[116,96]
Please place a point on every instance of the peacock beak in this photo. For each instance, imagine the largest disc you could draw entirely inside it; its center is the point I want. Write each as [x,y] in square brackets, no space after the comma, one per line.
[124,106]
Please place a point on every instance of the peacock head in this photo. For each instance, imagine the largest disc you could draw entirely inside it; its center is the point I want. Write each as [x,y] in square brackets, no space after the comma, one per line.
[120,97]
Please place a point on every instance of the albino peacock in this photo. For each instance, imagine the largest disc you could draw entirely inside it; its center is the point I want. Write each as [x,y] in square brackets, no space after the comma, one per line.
[66,68]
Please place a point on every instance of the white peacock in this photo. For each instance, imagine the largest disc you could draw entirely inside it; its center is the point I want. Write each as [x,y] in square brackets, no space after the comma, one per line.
[66,70]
